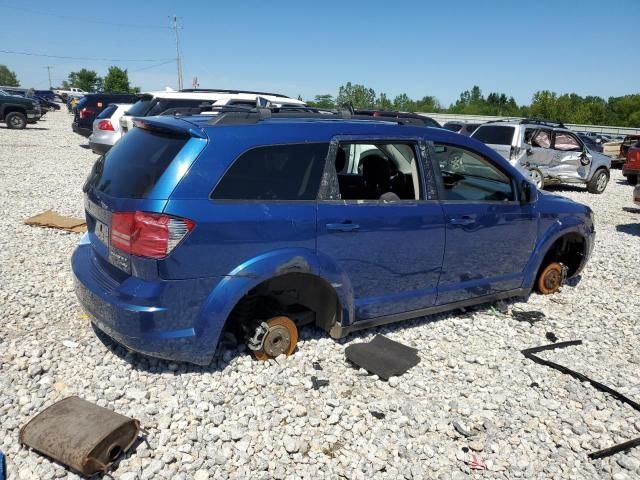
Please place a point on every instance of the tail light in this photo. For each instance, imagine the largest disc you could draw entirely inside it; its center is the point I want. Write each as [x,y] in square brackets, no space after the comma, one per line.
[105,125]
[637,155]
[149,235]
[85,112]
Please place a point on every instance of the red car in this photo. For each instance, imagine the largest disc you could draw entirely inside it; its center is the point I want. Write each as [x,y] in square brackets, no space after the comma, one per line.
[631,168]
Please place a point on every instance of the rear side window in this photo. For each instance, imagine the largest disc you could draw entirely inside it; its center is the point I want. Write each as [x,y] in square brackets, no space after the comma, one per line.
[163,105]
[494,134]
[107,112]
[134,165]
[278,172]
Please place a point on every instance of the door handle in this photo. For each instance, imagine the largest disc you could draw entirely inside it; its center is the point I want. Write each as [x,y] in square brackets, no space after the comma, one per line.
[464,220]
[342,227]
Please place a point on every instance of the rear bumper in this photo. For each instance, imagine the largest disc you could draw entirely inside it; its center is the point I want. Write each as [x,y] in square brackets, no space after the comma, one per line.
[99,148]
[630,170]
[84,131]
[159,318]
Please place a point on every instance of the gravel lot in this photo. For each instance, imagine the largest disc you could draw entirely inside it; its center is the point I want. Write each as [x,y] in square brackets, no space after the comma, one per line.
[241,419]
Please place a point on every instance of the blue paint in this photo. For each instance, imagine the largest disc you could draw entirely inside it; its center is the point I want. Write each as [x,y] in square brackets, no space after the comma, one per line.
[398,257]
[3,467]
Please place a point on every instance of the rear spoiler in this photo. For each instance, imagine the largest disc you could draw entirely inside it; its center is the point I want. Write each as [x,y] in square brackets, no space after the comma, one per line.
[169,126]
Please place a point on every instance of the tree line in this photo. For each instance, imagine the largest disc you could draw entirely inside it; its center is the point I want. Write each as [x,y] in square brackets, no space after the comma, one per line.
[621,111]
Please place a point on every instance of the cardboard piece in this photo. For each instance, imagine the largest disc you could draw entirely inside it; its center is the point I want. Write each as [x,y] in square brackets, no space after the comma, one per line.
[51,219]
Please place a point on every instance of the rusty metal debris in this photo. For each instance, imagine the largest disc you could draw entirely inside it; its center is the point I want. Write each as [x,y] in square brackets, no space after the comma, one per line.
[81,435]
[530,354]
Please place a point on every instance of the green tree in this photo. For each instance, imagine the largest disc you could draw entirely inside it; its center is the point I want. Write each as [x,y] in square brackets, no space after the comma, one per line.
[403,103]
[117,80]
[87,80]
[7,77]
[322,101]
[356,95]
[383,102]
[427,104]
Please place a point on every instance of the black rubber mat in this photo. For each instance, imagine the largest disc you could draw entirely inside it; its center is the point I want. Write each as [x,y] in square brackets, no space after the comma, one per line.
[383,357]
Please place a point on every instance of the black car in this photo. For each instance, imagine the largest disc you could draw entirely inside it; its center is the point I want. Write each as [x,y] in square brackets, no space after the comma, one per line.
[46,104]
[412,117]
[91,105]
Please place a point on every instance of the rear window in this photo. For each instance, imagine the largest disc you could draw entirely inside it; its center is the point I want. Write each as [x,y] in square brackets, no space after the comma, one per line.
[278,172]
[134,165]
[141,107]
[107,112]
[494,134]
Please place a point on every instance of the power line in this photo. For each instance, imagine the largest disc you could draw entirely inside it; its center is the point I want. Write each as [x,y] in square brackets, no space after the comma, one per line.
[152,66]
[14,52]
[82,19]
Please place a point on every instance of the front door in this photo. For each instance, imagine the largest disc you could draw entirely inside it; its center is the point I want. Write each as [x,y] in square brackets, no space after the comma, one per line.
[377,227]
[570,160]
[490,236]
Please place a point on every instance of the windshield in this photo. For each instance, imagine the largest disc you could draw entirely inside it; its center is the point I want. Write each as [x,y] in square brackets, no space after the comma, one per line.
[141,107]
[494,134]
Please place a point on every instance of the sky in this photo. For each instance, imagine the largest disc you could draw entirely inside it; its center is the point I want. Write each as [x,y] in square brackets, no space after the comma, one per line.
[312,47]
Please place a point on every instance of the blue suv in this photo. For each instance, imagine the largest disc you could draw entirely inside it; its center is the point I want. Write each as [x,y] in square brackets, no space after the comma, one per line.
[261,222]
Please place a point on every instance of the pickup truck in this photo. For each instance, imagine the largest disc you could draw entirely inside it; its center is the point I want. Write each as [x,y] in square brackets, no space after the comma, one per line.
[16,111]
[73,91]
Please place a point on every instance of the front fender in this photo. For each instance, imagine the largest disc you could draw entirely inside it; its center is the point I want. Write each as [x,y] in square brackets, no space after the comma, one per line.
[559,228]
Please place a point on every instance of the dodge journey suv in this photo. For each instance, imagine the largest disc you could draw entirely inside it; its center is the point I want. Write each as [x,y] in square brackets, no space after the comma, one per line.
[260,222]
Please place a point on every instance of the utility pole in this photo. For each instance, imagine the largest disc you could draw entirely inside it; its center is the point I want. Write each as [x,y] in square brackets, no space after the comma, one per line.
[49,71]
[175,27]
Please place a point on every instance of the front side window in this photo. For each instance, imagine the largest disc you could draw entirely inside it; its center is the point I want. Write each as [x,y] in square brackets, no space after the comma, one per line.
[469,176]
[567,142]
[381,171]
[276,172]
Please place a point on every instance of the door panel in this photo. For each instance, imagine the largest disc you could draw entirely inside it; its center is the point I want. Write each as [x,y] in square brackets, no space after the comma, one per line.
[489,235]
[392,254]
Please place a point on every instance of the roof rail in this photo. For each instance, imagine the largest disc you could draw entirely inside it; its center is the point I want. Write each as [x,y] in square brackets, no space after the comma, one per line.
[222,90]
[542,121]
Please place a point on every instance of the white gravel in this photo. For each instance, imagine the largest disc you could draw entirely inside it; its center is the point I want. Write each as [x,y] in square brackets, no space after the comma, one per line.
[243,419]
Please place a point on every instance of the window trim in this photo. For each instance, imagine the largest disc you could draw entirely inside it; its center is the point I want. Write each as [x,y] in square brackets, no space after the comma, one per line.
[440,183]
[421,165]
[249,200]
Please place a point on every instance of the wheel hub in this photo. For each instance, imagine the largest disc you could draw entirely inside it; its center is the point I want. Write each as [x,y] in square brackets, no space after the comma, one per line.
[552,280]
[276,341]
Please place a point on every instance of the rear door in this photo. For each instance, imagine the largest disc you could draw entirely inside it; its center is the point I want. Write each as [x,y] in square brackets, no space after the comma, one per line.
[379,227]
[539,152]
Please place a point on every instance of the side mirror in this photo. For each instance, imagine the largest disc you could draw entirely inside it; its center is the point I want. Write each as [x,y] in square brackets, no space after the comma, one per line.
[528,192]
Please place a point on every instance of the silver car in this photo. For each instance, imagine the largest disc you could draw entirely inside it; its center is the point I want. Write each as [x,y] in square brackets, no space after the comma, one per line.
[548,151]
[106,127]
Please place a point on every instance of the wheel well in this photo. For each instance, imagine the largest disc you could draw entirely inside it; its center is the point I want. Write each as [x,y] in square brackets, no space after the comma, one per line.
[12,109]
[570,250]
[285,294]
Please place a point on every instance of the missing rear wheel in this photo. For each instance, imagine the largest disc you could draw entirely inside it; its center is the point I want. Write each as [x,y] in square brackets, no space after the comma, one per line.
[281,336]
[550,279]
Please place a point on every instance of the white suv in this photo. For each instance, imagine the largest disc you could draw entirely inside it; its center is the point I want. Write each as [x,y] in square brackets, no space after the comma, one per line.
[548,151]
[156,103]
